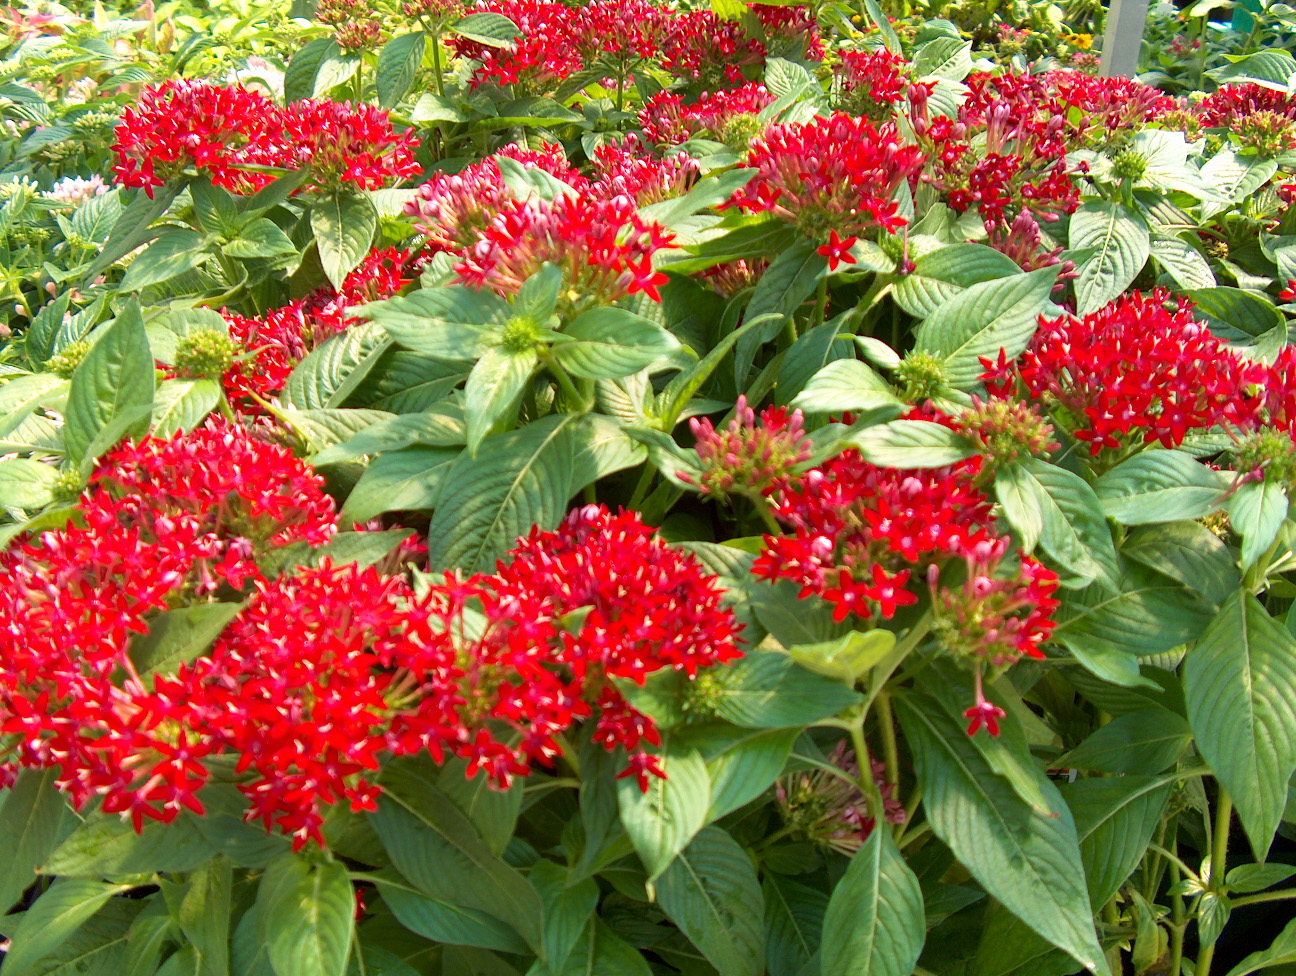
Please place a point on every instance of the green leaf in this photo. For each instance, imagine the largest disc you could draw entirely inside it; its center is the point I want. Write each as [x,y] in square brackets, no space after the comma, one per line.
[1161,486]
[1280,952]
[1121,243]
[299,79]
[943,273]
[493,812]
[56,916]
[608,343]
[1246,878]
[104,845]
[441,426]
[450,322]
[174,252]
[601,952]
[741,763]
[25,483]
[1146,614]
[493,30]
[34,820]
[332,371]
[791,278]
[521,479]
[308,911]
[494,385]
[988,316]
[849,385]
[1234,314]
[344,226]
[910,444]
[180,405]
[398,63]
[1115,818]
[399,481]
[335,68]
[1189,553]
[875,923]
[436,847]
[444,921]
[711,892]
[1240,686]
[262,238]
[204,915]
[1145,741]
[848,657]
[115,380]
[1257,511]
[132,228]
[1026,859]
[1073,532]
[769,690]
[794,916]
[1017,493]
[569,909]
[662,821]
[178,636]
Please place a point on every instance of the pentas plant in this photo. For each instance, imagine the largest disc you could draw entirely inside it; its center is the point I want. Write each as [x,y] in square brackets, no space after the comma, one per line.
[499,487]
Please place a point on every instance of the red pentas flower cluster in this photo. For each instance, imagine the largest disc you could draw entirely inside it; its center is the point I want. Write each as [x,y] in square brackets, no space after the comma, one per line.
[863,537]
[728,116]
[275,342]
[747,457]
[604,248]
[162,525]
[1256,117]
[834,178]
[322,671]
[224,131]
[874,83]
[623,168]
[1135,372]
[237,136]
[710,51]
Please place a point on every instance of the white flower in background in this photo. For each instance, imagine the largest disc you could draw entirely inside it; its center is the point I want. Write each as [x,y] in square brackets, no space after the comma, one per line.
[74,191]
[79,92]
[256,73]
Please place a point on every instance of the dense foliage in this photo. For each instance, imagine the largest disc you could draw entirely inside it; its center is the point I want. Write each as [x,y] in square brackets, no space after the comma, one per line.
[529,487]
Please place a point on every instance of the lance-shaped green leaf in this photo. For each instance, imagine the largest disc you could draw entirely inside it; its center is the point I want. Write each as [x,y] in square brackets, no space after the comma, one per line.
[398,63]
[991,315]
[34,819]
[344,225]
[875,924]
[769,690]
[494,385]
[609,343]
[662,821]
[1257,511]
[1240,686]
[450,322]
[25,483]
[1073,528]
[1120,242]
[1025,858]
[1161,486]
[711,892]
[112,390]
[308,911]
[848,384]
[1279,952]
[910,444]
[941,274]
[56,916]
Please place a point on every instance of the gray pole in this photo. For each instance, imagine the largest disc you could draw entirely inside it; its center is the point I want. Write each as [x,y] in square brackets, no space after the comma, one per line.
[1123,39]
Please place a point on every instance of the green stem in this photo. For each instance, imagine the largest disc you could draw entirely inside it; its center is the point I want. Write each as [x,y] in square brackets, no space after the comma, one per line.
[821,302]
[1283,895]
[912,836]
[436,64]
[763,509]
[1218,866]
[890,754]
[641,487]
[577,402]
[869,788]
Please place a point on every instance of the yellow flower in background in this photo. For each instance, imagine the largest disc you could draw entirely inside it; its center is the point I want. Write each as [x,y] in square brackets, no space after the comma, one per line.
[1082,41]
